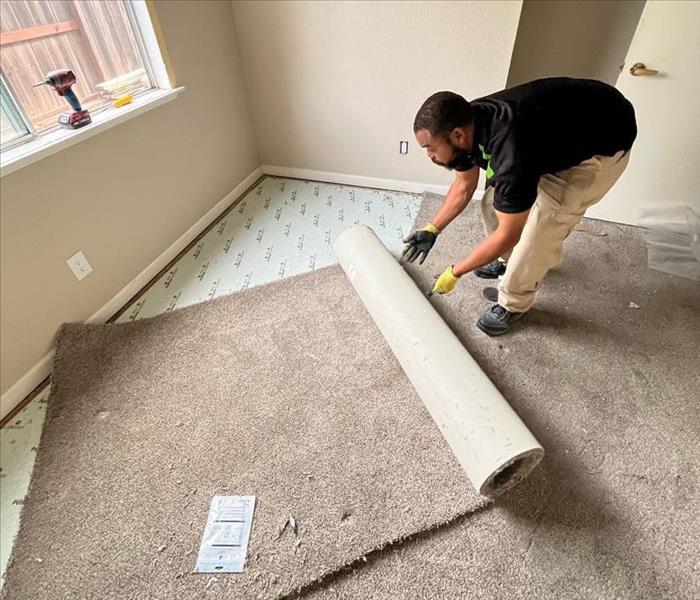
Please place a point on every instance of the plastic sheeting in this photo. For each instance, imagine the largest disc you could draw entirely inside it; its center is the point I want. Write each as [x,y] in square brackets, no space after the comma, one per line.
[672,235]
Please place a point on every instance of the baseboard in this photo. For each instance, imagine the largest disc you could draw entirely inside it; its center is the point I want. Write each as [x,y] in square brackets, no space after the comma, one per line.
[345,179]
[39,372]
[32,379]
[130,290]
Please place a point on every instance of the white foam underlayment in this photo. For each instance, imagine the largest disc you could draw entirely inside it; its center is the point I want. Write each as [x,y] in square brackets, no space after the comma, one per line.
[282,227]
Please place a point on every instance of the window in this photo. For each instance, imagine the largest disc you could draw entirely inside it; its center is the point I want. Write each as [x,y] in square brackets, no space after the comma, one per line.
[100,41]
[13,124]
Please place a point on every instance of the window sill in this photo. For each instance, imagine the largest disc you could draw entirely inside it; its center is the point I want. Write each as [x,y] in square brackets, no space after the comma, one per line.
[56,140]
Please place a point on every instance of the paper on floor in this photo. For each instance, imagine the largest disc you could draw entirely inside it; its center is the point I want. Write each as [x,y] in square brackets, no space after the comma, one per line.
[225,539]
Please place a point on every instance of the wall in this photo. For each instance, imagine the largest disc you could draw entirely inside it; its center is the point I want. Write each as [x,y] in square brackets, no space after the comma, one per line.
[335,85]
[578,38]
[126,194]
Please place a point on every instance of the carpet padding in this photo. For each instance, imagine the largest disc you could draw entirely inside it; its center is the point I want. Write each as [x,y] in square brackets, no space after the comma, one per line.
[286,391]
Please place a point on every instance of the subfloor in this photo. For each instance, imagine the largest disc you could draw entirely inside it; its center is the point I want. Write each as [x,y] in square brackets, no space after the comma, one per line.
[280,228]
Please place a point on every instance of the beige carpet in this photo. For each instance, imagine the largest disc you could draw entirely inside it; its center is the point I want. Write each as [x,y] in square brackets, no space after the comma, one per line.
[286,391]
[613,511]
[610,390]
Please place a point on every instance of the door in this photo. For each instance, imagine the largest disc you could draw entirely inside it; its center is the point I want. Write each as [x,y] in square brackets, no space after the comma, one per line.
[664,167]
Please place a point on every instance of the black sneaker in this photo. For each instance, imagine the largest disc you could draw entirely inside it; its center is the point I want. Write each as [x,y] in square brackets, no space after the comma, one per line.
[491,271]
[490,293]
[497,320]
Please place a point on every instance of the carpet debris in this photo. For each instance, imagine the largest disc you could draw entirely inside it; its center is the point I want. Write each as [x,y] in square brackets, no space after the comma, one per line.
[290,523]
[387,546]
[633,305]
[211,582]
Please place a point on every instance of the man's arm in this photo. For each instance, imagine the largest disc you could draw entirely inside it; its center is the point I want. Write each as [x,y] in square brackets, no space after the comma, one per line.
[504,238]
[419,243]
[458,197]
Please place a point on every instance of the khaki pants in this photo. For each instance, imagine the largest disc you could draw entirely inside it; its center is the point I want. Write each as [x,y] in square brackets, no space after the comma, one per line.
[562,200]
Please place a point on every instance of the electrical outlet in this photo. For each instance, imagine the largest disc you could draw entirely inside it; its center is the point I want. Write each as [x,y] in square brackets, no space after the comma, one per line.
[78,263]
[403,147]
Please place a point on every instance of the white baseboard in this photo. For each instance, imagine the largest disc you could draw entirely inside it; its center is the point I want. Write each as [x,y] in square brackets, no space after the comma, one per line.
[32,378]
[130,290]
[26,384]
[344,179]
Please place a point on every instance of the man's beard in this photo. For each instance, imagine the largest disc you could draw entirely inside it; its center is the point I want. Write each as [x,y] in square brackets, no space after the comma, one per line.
[461,160]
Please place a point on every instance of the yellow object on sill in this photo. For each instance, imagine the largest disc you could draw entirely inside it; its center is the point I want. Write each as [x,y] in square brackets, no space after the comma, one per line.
[122,100]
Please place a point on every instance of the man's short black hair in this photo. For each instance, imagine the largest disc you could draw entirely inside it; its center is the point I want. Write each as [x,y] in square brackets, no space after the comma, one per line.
[442,112]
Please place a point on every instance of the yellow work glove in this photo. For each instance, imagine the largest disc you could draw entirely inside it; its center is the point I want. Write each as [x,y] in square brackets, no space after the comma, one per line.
[446,282]
[419,243]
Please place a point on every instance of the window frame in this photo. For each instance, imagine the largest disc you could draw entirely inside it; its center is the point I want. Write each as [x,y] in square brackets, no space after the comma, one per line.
[15,114]
[136,27]
[151,52]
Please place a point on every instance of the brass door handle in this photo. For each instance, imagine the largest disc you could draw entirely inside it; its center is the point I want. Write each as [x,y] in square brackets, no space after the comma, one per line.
[638,69]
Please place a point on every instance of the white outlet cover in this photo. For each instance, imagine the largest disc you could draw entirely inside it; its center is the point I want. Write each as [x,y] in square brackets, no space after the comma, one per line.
[79,265]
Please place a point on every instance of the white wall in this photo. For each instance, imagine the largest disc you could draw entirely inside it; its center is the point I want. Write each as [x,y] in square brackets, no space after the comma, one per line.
[576,38]
[126,194]
[335,85]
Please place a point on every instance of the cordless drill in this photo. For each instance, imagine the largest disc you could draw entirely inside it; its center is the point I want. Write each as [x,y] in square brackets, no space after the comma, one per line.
[61,81]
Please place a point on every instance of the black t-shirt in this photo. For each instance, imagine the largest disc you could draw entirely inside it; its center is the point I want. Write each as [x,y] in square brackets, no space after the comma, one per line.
[546,126]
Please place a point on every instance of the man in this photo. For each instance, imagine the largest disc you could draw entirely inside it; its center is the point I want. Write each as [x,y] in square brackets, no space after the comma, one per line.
[551,148]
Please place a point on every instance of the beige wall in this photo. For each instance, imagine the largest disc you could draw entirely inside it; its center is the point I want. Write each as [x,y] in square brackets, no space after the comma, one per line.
[335,85]
[126,194]
[576,38]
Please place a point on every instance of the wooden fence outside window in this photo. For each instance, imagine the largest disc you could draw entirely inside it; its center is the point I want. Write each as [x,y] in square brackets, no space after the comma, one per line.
[93,38]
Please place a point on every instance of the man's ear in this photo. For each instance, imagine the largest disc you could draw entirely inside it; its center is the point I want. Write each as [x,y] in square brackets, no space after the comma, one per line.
[458,136]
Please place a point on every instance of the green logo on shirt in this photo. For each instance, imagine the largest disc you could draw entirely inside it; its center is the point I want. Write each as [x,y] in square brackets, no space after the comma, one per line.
[489,170]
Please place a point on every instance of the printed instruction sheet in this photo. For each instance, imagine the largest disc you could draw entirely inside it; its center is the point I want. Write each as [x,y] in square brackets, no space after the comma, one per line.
[226,535]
